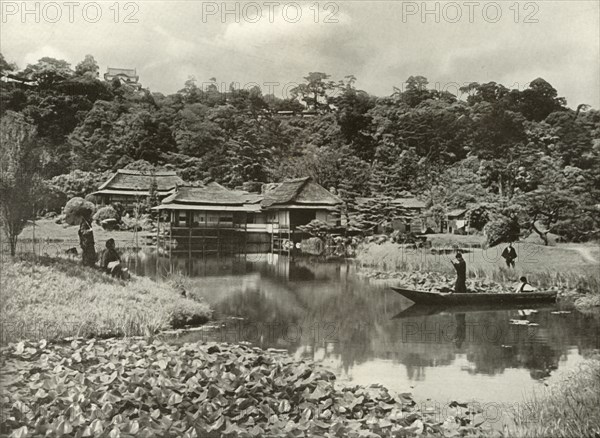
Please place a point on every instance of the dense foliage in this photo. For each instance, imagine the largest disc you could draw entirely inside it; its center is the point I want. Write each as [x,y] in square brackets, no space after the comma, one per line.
[492,145]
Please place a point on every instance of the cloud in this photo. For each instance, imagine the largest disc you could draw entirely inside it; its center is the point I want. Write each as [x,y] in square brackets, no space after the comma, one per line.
[173,40]
[45,51]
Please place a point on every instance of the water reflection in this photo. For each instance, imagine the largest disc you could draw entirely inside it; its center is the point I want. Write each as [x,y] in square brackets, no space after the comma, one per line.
[325,312]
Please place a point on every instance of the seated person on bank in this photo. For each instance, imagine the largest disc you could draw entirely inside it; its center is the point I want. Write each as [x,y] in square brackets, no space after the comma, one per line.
[524,286]
[111,261]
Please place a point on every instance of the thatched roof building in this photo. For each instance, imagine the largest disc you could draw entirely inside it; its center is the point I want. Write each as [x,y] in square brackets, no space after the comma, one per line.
[127,186]
[300,193]
[211,197]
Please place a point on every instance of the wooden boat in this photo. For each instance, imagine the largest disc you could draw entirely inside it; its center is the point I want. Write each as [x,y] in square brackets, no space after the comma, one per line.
[446,299]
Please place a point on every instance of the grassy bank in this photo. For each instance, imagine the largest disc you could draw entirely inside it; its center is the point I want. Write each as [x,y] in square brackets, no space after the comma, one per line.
[57,298]
[135,388]
[566,409]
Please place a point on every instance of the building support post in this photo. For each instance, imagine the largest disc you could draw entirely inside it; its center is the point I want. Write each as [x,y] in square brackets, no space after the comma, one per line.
[171,243]
[158,241]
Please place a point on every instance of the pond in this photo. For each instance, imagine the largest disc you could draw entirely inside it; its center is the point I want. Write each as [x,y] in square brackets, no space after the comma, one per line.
[366,333]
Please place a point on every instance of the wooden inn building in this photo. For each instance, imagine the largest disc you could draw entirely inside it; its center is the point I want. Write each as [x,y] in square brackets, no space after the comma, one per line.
[211,218]
[129,187]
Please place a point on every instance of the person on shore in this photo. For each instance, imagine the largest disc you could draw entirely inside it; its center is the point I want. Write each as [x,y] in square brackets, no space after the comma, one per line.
[524,286]
[509,255]
[86,242]
[461,274]
[111,261]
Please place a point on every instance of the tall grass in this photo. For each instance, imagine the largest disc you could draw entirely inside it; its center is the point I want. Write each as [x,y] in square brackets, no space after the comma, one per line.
[543,266]
[57,298]
[566,409]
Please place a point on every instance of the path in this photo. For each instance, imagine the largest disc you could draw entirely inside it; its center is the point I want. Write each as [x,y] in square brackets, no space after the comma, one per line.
[585,253]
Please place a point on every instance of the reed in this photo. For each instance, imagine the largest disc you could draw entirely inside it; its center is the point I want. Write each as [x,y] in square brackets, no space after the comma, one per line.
[543,266]
[566,409]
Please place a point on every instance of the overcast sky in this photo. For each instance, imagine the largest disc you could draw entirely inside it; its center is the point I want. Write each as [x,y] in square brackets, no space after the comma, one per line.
[381,43]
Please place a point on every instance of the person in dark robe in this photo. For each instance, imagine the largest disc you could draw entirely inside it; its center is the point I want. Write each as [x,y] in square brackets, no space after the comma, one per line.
[509,255]
[111,261]
[461,274]
[86,242]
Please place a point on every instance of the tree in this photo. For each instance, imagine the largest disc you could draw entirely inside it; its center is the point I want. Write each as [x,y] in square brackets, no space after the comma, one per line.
[558,196]
[5,66]
[49,71]
[18,163]
[437,214]
[352,116]
[315,93]
[479,216]
[153,199]
[249,162]
[88,67]
[502,229]
[540,100]
[416,91]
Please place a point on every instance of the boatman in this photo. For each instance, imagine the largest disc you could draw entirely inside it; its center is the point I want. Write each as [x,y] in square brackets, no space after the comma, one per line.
[461,274]
[509,255]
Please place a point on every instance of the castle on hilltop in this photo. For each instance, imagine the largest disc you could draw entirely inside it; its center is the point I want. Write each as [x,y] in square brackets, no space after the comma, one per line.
[127,76]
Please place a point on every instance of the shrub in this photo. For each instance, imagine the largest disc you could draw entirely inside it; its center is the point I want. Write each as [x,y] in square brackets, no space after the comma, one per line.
[479,217]
[76,209]
[104,213]
[143,222]
[501,229]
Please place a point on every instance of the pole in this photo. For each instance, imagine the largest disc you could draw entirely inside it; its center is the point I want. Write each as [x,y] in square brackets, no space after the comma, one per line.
[33,232]
[157,241]
[171,237]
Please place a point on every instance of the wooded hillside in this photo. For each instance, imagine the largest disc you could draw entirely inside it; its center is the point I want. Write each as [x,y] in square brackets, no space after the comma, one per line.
[515,158]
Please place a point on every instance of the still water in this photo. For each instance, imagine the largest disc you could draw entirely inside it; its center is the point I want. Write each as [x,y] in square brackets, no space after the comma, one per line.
[366,333]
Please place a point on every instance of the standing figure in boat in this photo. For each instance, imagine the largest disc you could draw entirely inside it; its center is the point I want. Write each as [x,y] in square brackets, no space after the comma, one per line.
[461,274]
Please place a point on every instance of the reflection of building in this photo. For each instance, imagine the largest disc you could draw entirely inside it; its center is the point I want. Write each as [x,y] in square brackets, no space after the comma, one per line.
[209,217]
[127,76]
[131,186]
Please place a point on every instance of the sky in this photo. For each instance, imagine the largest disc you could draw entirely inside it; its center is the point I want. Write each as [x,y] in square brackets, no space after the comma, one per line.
[274,44]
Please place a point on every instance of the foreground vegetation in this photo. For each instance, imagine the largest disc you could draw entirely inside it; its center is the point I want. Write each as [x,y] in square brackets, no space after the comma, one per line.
[114,388]
[567,409]
[57,298]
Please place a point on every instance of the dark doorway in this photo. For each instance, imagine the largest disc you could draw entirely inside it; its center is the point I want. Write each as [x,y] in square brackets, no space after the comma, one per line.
[301,217]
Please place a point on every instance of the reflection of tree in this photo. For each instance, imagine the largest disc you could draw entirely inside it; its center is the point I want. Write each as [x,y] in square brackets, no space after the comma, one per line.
[490,342]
